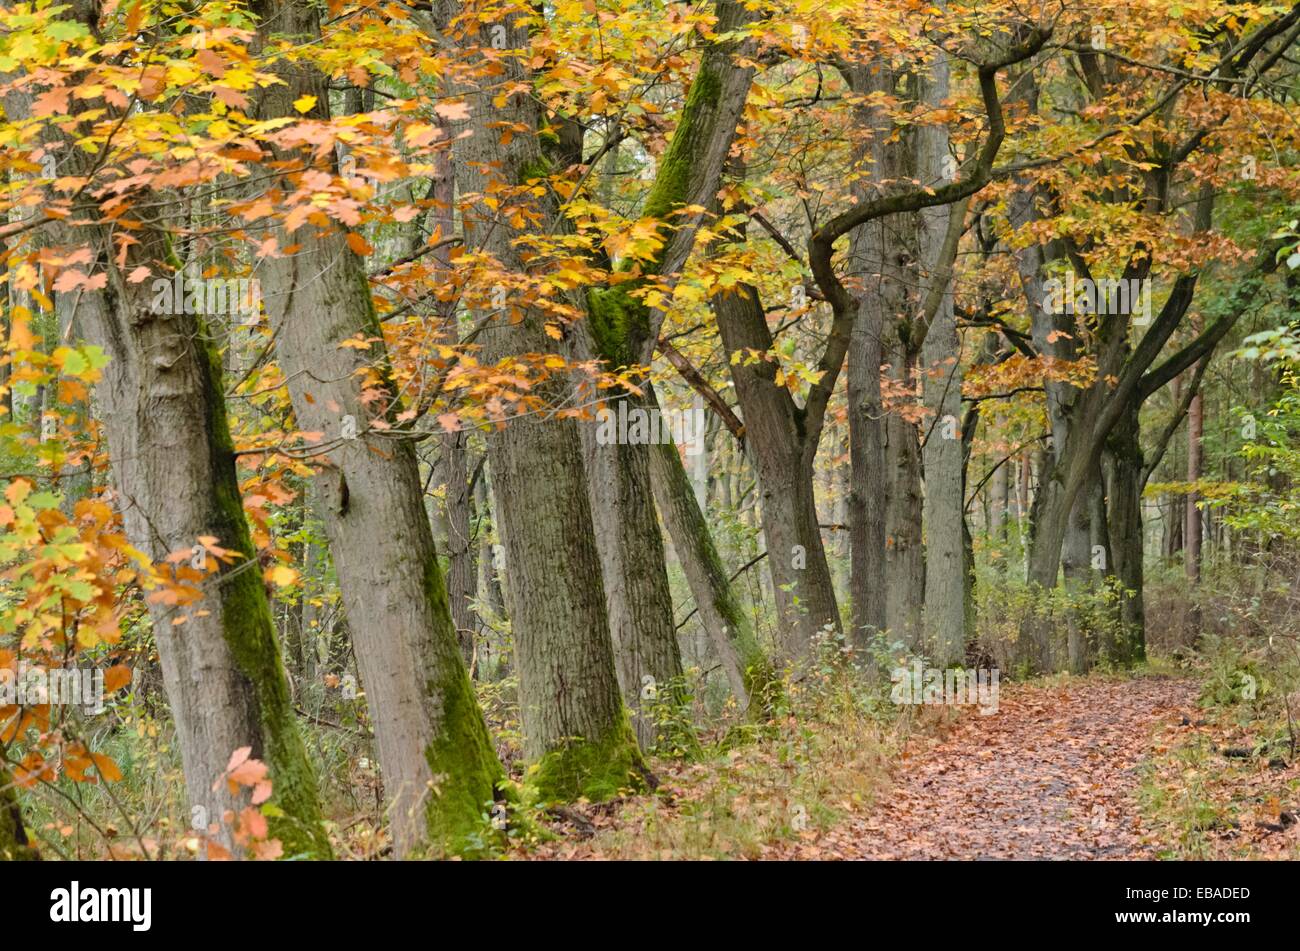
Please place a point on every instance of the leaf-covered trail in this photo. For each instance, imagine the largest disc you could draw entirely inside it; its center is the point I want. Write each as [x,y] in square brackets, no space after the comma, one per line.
[1053,774]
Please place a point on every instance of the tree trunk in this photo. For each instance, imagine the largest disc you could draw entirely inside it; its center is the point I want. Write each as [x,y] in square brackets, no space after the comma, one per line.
[721,613]
[438,762]
[774,433]
[1192,534]
[575,724]
[164,417]
[637,596]
[1123,463]
[904,554]
[944,508]
[453,466]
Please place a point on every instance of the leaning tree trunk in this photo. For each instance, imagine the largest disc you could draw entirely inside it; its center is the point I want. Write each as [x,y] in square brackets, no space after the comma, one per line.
[721,613]
[438,762]
[774,427]
[622,330]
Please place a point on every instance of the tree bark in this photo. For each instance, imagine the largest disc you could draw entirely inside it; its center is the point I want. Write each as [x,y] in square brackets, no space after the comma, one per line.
[575,724]
[169,443]
[438,762]
[783,455]
[944,504]
[721,613]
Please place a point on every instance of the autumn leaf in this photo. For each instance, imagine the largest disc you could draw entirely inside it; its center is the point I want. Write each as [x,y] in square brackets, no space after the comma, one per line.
[116,677]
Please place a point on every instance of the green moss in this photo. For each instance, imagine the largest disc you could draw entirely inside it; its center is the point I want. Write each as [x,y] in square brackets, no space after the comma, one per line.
[461,758]
[539,167]
[672,186]
[592,769]
[620,321]
[249,632]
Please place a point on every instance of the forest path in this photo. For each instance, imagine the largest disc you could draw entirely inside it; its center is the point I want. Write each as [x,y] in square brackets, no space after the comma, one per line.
[1052,775]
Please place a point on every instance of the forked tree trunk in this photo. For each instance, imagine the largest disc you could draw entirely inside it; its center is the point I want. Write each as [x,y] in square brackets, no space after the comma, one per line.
[774,430]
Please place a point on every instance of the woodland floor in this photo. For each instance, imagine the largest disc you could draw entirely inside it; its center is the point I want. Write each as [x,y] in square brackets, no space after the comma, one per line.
[1101,767]
[1054,774]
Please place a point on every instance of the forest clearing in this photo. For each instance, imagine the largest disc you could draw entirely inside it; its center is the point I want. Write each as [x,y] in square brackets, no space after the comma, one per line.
[641,429]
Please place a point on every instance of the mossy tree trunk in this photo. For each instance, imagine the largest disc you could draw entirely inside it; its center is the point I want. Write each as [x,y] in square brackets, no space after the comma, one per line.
[576,728]
[721,613]
[622,330]
[164,417]
[438,762]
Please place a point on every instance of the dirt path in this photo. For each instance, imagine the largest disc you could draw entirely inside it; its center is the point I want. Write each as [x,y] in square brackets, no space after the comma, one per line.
[1051,775]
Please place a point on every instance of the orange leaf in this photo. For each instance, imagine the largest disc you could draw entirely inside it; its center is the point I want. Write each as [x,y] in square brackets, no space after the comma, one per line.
[116,677]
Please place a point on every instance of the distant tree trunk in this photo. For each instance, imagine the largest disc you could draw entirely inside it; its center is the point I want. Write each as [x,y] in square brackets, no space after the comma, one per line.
[438,762]
[492,608]
[1123,466]
[1192,535]
[454,470]
[1000,508]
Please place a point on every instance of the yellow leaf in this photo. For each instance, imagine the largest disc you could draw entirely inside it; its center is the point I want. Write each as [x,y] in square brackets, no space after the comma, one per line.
[281,576]
[304,105]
